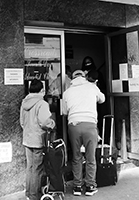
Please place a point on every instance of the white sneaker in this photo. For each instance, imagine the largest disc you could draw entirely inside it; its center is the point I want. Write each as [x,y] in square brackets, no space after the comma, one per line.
[77,191]
[91,190]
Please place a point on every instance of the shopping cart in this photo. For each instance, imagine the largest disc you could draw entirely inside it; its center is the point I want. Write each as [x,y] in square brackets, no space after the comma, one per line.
[55,159]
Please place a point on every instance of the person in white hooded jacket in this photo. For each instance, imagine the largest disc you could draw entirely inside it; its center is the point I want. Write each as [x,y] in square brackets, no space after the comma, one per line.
[35,119]
[80,105]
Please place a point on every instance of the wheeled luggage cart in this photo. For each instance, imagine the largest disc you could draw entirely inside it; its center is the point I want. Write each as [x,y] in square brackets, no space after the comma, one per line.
[106,157]
[54,161]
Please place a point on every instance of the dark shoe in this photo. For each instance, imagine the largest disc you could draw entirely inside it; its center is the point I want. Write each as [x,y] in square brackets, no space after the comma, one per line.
[91,190]
[77,191]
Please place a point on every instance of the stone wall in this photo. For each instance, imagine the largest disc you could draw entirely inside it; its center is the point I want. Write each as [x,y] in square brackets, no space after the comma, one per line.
[76,12]
[132,19]
[11,56]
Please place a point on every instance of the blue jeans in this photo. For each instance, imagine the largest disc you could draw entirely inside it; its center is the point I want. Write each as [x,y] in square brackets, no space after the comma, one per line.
[34,172]
[85,133]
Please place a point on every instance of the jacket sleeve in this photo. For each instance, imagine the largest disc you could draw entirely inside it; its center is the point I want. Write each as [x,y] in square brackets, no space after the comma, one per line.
[100,97]
[44,117]
[21,117]
[64,106]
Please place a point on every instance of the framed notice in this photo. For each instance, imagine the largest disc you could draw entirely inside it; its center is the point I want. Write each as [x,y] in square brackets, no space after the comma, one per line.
[5,152]
[13,76]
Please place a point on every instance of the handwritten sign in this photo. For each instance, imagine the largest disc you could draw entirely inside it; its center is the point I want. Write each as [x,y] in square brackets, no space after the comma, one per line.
[5,152]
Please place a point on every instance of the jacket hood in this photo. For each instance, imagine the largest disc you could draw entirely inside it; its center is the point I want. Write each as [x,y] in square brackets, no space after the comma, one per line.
[31,100]
[78,81]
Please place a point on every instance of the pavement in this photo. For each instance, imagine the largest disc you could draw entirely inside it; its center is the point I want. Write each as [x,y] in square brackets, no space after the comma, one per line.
[125,189]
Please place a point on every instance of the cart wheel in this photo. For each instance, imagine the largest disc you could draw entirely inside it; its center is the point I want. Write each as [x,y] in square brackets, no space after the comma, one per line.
[45,189]
[47,197]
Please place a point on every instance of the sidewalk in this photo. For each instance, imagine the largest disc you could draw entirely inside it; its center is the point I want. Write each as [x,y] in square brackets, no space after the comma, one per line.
[126,189]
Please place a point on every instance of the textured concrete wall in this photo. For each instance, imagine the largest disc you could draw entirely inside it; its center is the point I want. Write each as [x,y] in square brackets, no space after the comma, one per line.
[132,15]
[11,56]
[80,12]
[132,19]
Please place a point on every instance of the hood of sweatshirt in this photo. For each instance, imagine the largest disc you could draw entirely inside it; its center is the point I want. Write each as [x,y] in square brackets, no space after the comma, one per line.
[78,81]
[31,100]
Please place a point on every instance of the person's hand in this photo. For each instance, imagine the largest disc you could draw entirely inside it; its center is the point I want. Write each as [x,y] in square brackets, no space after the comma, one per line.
[99,138]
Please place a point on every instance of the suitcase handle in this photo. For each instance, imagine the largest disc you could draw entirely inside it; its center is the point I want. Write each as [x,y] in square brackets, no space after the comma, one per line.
[108,116]
[111,137]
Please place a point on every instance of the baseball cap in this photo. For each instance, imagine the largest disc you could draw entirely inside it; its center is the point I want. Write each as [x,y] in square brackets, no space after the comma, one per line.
[78,73]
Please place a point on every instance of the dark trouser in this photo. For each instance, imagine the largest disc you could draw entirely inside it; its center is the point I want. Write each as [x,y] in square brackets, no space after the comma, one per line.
[34,172]
[85,133]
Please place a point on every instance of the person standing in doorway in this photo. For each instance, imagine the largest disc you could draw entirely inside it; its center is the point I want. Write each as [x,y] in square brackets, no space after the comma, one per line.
[89,65]
[35,120]
[55,90]
[55,87]
[80,105]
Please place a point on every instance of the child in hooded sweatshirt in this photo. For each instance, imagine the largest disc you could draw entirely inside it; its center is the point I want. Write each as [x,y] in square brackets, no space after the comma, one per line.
[80,105]
[35,119]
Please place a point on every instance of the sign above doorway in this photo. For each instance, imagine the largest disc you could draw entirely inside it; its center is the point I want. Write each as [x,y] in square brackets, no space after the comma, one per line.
[133,2]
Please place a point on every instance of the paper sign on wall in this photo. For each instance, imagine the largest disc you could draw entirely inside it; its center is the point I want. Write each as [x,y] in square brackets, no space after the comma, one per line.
[117,86]
[135,71]
[133,84]
[123,70]
[5,152]
[13,76]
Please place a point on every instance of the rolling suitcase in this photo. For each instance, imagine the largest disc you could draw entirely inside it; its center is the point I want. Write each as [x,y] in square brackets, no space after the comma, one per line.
[106,173]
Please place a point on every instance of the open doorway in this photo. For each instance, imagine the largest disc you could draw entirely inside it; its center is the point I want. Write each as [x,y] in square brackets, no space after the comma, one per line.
[77,47]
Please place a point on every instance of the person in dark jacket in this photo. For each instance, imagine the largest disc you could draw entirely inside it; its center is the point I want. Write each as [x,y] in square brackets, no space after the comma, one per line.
[88,66]
[35,119]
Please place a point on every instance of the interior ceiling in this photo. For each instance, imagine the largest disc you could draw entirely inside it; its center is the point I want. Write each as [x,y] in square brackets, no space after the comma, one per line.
[133,2]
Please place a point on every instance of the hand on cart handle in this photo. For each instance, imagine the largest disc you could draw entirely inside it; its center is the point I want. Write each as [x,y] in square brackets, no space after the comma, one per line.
[99,138]
[49,130]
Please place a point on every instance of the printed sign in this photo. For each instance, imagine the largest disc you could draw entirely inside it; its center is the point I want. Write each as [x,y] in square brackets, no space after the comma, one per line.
[123,69]
[133,84]
[135,71]
[13,76]
[5,152]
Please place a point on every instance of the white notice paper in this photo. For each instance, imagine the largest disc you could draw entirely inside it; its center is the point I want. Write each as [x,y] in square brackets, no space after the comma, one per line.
[13,76]
[5,152]
[133,84]
[117,86]
[123,70]
[135,71]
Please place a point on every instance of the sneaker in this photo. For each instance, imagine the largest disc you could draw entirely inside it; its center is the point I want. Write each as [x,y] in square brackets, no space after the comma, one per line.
[90,190]
[77,191]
